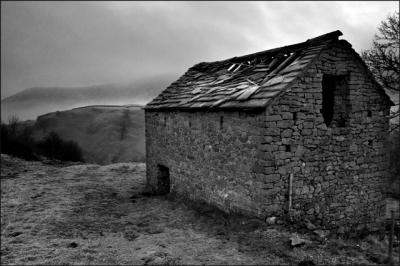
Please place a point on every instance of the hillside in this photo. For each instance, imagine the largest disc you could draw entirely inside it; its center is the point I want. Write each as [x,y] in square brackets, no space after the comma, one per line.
[32,102]
[97,215]
[99,131]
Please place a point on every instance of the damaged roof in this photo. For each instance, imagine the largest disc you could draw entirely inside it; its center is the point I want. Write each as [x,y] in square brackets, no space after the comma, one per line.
[249,81]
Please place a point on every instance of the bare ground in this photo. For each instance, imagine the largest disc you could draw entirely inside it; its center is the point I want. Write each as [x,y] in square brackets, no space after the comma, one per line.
[91,214]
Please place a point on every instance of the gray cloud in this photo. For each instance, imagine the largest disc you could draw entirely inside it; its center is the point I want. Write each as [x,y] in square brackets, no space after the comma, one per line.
[85,43]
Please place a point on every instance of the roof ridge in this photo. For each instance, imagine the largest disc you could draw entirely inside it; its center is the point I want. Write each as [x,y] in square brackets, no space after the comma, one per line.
[334,35]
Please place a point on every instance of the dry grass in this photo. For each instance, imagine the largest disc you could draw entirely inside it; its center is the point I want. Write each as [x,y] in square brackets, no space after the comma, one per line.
[91,214]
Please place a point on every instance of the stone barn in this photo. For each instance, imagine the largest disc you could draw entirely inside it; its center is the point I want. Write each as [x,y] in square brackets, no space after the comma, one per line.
[294,131]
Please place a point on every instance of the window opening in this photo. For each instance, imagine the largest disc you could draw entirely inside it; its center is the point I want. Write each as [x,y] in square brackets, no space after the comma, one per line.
[221,122]
[327,99]
[336,105]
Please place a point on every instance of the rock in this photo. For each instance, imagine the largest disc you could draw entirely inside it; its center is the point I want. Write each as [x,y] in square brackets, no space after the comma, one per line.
[306,263]
[131,235]
[310,211]
[14,234]
[73,245]
[322,233]
[310,225]
[253,223]
[377,258]
[341,230]
[271,220]
[147,192]
[296,241]
[152,230]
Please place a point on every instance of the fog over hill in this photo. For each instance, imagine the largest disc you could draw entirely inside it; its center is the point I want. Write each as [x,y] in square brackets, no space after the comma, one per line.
[36,101]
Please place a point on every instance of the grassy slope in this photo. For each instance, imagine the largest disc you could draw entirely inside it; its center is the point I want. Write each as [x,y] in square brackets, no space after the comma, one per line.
[97,131]
[85,214]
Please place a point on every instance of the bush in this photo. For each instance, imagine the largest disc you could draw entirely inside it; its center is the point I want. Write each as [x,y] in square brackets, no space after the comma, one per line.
[17,140]
[53,147]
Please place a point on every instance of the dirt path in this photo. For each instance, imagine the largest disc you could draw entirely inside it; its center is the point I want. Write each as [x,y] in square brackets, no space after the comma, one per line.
[91,214]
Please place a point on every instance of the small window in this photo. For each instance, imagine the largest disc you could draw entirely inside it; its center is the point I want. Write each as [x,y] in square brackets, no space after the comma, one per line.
[295,116]
[221,122]
[287,148]
[327,99]
[369,113]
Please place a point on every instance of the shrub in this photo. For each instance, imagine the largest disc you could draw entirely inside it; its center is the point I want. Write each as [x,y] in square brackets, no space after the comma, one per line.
[53,147]
[17,140]
[71,152]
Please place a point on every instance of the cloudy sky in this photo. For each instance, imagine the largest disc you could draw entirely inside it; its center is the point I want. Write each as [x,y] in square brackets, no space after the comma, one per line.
[87,43]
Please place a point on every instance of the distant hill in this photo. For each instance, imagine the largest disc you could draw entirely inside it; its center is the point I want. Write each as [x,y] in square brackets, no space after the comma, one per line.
[99,131]
[30,103]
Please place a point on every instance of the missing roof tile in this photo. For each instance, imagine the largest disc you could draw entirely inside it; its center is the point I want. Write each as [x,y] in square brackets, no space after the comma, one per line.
[231,67]
[236,69]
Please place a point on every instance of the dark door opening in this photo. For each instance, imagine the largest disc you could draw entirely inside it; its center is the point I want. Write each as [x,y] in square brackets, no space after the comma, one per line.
[163,182]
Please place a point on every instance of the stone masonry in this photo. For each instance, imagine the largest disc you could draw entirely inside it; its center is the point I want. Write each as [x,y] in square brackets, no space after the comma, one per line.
[242,160]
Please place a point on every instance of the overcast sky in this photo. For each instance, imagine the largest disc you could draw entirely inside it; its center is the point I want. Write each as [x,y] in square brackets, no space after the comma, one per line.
[87,43]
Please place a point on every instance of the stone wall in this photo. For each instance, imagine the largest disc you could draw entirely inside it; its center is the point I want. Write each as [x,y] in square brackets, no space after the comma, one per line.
[339,171]
[241,161]
[211,156]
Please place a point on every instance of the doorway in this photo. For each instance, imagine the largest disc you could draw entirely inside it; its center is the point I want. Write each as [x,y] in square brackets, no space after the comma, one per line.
[163,181]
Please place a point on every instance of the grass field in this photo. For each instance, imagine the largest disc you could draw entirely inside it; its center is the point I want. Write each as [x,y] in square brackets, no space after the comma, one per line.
[91,214]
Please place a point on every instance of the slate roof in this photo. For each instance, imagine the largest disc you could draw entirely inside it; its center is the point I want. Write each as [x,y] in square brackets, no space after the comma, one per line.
[245,82]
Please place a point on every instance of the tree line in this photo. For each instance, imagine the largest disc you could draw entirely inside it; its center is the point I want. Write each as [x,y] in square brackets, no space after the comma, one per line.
[17,140]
